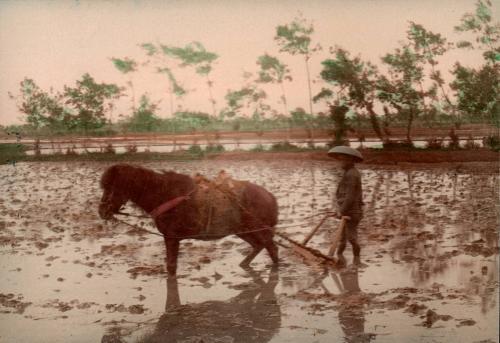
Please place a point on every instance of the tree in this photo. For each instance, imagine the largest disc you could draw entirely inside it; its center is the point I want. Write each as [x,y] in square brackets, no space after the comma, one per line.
[487,33]
[144,118]
[411,87]
[89,102]
[42,109]
[477,90]
[354,84]
[195,55]
[127,66]
[295,38]
[244,98]
[272,70]
[428,46]
[164,66]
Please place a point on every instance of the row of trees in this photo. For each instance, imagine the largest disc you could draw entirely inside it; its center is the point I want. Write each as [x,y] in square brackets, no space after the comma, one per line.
[411,87]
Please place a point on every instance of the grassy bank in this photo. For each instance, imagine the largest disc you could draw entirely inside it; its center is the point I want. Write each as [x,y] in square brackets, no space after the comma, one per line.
[10,152]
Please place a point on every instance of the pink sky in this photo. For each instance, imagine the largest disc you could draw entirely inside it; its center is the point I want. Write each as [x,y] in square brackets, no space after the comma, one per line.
[56,42]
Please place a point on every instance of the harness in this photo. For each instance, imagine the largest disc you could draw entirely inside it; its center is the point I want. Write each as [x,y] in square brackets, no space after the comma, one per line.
[168,205]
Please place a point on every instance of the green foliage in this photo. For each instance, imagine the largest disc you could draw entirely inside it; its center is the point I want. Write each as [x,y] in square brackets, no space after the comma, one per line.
[195,149]
[41,108]
[193,54]
[477,92]
[188,122]
[150,48]
[341,126]
[214,148]
[258,148]
[144,118]
[284,146]
[295,38]
[355,85]
[176,88]
[244,98]
[89,101]
[477,89]
[487,32]
[272,70]
[354,79]
[11,153]
[79,108]
[299,116]
[426,43]
[492,142]
[125,65]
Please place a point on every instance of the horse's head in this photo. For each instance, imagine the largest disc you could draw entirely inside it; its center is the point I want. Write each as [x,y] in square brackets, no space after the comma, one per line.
[114,192]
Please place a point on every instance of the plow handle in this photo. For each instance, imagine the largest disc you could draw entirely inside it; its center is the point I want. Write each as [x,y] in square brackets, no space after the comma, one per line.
[338,235]
[313,231]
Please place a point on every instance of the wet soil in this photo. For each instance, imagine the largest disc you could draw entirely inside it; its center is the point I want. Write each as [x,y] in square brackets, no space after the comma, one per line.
[451,158]
[428,270]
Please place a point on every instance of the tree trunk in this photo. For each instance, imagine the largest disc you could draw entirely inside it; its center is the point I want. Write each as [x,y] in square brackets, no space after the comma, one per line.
[408,127]
[311,142]
[374,122]
[171,97]
[212,101]
[132,90]
[284,98]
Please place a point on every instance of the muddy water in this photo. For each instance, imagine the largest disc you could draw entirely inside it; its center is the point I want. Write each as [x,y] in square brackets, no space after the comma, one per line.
[429,270]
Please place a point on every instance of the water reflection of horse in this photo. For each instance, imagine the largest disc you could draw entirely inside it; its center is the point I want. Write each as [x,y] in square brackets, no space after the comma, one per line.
[254,315]
[150,191]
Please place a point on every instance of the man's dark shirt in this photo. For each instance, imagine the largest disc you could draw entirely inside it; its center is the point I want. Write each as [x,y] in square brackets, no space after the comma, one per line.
[350,194]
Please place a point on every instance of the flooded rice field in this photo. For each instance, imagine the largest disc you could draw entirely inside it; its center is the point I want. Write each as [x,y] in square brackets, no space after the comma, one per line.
[428,272]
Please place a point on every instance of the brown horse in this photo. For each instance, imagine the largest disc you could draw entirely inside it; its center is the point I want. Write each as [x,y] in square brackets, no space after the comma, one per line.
[149,190]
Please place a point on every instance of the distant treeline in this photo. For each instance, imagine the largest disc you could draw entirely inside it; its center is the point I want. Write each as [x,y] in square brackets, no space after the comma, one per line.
[355,94]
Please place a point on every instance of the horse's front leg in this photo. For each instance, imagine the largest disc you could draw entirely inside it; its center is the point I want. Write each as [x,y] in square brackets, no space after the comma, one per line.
[172,246]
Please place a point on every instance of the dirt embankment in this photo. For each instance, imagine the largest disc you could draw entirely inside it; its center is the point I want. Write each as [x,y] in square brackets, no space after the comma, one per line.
[373,156]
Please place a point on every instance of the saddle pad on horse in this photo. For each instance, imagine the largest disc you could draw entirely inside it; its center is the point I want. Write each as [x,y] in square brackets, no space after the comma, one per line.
[219,206]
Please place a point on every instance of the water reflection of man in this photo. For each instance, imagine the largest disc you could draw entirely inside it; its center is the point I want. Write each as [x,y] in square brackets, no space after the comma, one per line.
[349,196]
[351,313]
[254,315]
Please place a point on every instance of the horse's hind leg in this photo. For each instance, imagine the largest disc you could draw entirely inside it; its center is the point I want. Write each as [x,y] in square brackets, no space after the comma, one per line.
[257,248]
[272,249]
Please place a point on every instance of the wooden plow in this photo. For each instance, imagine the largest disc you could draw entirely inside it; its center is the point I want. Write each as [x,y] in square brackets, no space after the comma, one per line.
[310,253]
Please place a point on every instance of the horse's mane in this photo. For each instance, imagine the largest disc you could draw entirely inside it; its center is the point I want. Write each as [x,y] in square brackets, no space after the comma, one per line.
[136,178]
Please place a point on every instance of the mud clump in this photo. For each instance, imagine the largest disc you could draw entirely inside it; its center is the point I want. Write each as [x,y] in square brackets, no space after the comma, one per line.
[146,270]
[431,317]
[415,308]
[398,302]
[13,302]
[466,322]
[132,309]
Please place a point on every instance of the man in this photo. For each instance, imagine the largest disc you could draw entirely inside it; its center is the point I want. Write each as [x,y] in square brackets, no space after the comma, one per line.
[349,196]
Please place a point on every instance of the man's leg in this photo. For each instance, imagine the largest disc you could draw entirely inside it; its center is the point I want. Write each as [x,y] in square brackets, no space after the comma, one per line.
[352,235]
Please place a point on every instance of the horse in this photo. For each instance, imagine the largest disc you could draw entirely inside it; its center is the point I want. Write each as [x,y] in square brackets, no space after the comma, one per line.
[152,191]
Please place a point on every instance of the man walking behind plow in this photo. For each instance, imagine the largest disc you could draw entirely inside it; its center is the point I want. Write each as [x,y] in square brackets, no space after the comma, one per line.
[349,196]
